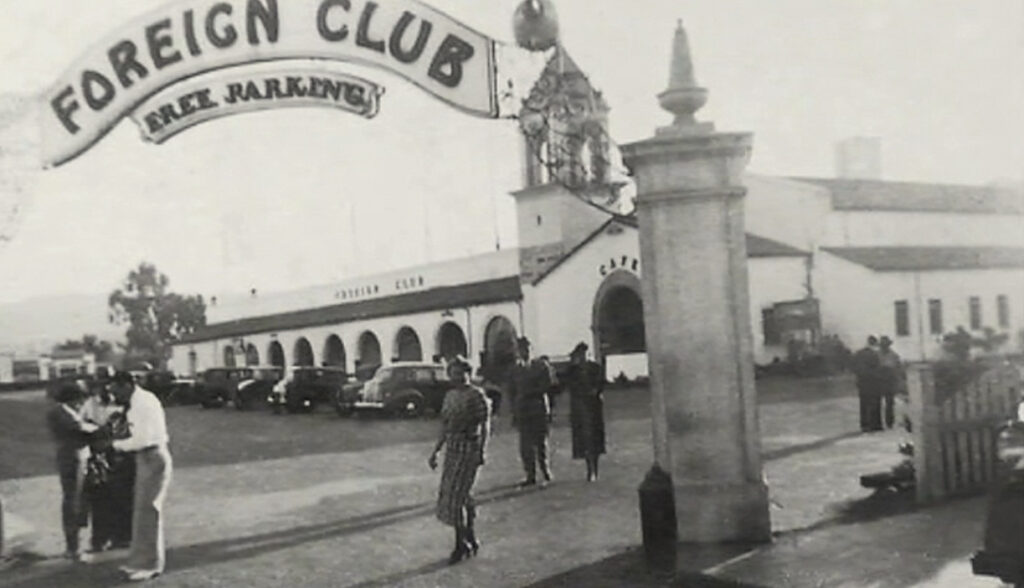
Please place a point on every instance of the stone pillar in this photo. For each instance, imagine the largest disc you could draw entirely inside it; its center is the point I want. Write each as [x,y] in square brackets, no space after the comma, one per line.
[699,343]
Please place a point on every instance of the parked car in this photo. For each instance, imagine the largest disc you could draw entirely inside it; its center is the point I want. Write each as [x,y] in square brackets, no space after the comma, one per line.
[253,390]
[407,388]
[181,391]
[243,386]
[1002,554]
[307,387]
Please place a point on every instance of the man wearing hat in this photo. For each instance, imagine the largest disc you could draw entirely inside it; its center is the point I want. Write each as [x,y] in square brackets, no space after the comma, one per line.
[528,388]
[890,378]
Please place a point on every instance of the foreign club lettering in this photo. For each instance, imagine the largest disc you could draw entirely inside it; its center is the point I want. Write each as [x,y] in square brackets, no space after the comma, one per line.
[186,105]
[193,37]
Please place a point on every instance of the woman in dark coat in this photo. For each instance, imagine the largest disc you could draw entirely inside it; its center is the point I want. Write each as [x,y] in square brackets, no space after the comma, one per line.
[465,418]
[71,433]
[585,383]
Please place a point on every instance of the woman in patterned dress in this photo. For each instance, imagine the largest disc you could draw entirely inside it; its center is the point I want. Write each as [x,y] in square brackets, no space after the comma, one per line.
[465,427]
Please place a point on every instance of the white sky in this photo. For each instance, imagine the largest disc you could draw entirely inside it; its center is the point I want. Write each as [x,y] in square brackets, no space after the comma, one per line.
[289,198]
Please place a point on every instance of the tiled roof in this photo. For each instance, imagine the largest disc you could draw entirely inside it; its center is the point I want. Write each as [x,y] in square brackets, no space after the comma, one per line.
[491,291]
[896,259]
[757,247]
[919,197]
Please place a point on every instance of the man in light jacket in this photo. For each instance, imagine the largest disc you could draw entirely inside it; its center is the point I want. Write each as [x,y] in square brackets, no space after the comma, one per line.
[148,441]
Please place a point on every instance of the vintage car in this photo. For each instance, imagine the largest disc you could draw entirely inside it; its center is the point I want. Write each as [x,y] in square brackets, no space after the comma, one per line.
[406,388]
[252,391]
[307,387]
[1002,554]
[242,386]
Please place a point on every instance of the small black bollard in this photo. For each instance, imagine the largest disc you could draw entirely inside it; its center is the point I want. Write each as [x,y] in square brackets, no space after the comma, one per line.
[658,520]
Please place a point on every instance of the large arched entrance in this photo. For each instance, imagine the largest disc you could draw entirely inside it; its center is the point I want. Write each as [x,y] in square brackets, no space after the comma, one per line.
[407,345]
[451,341]
[618,326]
[334,352]
[275,353]
[369,351]
[229,356]
[499,353]
[252,355]
[303,353]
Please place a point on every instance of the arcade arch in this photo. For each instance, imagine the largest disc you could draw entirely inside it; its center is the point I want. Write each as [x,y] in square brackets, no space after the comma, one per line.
[369,350]
[407,345]
[275,353]
[334,352]
[499,353]
[618,316]
[451,341]
[303,353]
[252,355]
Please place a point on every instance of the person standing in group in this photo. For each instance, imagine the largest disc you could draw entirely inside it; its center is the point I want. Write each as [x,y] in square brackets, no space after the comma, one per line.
[71,432]
[867,369]
[890,379]
[465,428]
[528,388]
[110,498]
[148,441]
[585,384]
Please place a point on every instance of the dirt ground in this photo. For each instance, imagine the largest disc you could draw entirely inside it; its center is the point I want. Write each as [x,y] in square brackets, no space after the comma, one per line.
[315,500]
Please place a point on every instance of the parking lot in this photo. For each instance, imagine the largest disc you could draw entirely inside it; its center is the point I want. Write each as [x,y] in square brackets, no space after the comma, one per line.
[317,500]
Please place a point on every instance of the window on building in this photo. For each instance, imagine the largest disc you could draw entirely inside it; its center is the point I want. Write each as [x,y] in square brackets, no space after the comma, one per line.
[935,317]
[772,336]
[902,318]
[1003,308]
[974,305]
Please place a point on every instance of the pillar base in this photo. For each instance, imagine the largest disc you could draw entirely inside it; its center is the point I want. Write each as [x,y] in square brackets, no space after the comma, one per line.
[723,513]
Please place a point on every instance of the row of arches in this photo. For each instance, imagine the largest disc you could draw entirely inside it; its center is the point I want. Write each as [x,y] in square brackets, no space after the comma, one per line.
[450,340]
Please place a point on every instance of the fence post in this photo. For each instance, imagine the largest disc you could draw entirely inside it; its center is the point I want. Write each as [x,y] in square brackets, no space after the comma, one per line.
[924,416]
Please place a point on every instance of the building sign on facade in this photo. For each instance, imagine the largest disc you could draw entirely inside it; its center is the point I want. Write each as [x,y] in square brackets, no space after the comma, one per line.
[190,103]
[627,262]
[192,37]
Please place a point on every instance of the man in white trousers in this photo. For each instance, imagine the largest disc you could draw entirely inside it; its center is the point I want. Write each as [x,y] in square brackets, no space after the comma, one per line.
[148,440]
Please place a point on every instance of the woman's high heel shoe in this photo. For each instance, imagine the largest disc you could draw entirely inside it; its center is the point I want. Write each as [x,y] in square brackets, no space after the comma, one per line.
[474,546]
[461,552]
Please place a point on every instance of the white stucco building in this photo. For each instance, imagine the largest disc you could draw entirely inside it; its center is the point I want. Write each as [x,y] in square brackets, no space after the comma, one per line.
[847,257]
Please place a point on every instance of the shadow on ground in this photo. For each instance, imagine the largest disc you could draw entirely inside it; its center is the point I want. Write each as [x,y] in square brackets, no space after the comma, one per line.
[198,555]
[631,569]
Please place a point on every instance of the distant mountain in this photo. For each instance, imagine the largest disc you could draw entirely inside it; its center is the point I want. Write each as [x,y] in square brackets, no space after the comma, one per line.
[34,326]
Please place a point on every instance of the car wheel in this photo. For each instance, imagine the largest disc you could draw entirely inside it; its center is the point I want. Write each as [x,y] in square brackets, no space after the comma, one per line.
[411,407]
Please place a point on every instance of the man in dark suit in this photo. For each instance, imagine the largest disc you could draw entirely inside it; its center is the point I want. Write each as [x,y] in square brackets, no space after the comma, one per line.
[528,389]
[867,368]
[71,433]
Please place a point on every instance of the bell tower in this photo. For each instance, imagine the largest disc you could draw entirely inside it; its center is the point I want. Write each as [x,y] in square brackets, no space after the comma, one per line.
[566,163]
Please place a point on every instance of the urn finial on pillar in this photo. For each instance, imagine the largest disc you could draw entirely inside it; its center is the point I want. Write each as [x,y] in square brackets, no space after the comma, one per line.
[684,97]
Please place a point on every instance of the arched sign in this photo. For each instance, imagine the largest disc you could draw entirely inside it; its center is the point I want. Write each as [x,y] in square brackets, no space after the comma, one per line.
[209,97]
[192,37]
